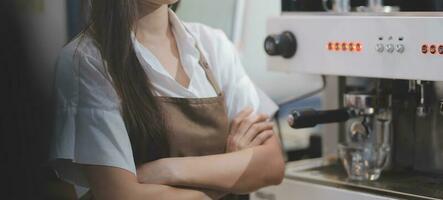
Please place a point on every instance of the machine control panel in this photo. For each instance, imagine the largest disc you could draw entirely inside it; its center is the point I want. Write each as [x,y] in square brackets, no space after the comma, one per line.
[390,45]
[397,46]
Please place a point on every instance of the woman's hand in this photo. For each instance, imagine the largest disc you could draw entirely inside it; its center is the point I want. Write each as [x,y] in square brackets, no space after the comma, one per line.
[248,130]
[250,145]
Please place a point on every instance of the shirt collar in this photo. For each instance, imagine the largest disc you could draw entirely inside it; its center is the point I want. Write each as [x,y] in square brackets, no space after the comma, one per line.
[182,34]
[186,44]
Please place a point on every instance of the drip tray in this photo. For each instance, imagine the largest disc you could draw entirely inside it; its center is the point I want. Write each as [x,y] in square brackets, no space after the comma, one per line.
[401,185]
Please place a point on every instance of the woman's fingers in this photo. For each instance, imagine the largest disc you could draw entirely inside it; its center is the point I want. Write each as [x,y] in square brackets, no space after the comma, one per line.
[235,124]
[245,127]
[262,138]
[256,129]
[247,123]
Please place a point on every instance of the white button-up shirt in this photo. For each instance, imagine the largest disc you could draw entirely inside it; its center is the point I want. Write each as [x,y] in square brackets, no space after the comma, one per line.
[89,127]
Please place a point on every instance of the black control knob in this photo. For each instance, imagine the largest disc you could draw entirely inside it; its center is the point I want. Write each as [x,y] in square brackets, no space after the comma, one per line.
[284,44]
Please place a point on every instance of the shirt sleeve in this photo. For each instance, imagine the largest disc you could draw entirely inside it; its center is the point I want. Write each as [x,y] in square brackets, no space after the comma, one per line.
[240,91]
[88,127]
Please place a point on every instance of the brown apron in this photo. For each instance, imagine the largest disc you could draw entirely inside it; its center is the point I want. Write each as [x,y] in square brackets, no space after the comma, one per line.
[196,126]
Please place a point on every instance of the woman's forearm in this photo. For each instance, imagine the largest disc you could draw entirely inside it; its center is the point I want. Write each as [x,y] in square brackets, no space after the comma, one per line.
[168,192]
[238,172]
[108,183]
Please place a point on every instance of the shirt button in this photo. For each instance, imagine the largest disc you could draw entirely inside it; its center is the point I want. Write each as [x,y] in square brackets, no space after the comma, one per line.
[205,64]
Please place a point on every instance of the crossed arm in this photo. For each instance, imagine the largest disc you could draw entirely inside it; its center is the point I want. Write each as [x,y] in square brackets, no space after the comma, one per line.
[241,171]
[238,172]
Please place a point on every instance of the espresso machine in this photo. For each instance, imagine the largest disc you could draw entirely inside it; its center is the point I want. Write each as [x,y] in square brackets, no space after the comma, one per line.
[389,72]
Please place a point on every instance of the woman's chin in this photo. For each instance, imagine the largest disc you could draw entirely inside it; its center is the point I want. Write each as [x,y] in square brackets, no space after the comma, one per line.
[162,2]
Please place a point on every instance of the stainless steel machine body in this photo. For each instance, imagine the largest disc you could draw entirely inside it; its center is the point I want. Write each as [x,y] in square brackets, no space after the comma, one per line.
[396,56]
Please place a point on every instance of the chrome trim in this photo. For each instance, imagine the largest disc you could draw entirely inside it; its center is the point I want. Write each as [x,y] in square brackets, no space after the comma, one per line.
[399,185]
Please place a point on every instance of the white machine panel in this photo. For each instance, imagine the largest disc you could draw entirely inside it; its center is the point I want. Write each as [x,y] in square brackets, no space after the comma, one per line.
[397,46]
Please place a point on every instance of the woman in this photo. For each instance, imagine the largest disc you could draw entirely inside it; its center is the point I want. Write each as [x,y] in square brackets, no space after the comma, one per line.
[151,108]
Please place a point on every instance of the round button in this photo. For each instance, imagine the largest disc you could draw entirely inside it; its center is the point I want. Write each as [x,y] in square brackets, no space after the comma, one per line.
[400,48]
[284,44]
[380,48]
[390,48]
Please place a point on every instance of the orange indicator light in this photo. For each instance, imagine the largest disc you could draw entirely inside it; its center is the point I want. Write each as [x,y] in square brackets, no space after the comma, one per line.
[330,46]
[358,47]
[424,49]
[337,46]
[351,46]
[344,46]
[433,49]
[440,49]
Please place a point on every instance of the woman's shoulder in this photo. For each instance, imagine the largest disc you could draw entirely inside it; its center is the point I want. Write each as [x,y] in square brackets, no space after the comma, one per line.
[219,50]
[81,47]
[208,36]
[81,78]
[82,52]
[202,29]
[215,43]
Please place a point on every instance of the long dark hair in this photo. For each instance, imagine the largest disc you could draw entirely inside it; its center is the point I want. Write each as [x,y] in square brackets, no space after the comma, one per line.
[111,24]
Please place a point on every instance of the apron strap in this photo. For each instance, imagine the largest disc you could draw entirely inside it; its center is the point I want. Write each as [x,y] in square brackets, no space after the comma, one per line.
[209,75]
[205,65]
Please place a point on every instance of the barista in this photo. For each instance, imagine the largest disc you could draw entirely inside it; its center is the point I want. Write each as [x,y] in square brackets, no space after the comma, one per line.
[153,108]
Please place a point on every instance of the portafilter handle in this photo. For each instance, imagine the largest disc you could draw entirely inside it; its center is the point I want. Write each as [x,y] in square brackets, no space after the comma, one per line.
[310,118]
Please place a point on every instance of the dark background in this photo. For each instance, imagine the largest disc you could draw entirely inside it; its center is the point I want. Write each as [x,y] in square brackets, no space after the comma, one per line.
[25,114]
[26,111]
